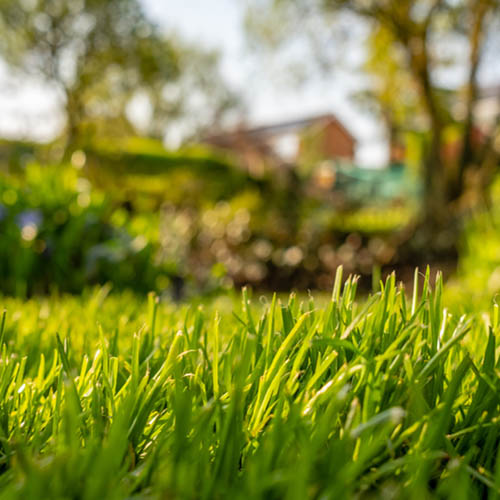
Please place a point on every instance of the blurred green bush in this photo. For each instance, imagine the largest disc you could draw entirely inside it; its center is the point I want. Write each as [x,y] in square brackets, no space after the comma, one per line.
[478,275]
[143,172]
[58,233]
[138,216]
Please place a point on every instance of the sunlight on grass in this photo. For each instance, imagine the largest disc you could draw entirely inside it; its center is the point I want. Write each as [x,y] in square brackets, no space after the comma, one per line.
[109,397]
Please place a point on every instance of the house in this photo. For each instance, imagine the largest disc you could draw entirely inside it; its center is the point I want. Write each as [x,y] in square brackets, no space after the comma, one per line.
[313,139]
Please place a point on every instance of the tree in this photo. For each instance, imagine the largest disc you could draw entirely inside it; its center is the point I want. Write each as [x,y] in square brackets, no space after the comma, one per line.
[102,56]
[408,42]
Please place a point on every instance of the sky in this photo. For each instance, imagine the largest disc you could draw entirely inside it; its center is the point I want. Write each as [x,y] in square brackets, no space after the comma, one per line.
[27,108]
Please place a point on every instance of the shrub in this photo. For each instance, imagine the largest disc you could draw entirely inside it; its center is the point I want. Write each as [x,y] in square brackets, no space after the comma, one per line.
[57,232]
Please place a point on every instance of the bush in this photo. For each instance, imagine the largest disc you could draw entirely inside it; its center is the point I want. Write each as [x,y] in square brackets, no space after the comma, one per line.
[478,275]
[57,232]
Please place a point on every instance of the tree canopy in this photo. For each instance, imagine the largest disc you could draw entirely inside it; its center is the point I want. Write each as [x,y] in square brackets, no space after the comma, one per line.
[103,55]
[409,45]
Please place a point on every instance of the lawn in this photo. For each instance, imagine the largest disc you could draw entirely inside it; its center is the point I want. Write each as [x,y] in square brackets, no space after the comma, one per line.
[114,396]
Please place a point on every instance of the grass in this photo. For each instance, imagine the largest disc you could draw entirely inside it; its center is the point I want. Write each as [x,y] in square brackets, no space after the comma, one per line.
[115,397]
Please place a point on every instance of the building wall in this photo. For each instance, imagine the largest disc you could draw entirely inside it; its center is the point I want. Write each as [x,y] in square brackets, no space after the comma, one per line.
[336,142]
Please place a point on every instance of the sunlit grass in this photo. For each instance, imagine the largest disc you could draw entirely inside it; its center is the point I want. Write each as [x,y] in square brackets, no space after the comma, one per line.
[117,397]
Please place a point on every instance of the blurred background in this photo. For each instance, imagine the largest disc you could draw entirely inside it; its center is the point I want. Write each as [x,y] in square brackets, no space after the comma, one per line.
[191,147]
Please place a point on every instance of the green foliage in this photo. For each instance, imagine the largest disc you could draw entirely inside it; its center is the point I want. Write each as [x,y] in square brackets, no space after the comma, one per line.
[138,216]
[136,167]
[214,219]
[406,55]
[59,233]
[478,274]
[102,57]
[118,398]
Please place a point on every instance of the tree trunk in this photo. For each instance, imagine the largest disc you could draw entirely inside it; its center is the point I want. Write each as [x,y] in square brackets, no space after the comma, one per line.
[435,235]
[467,154]
[73,124]
[436,217]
